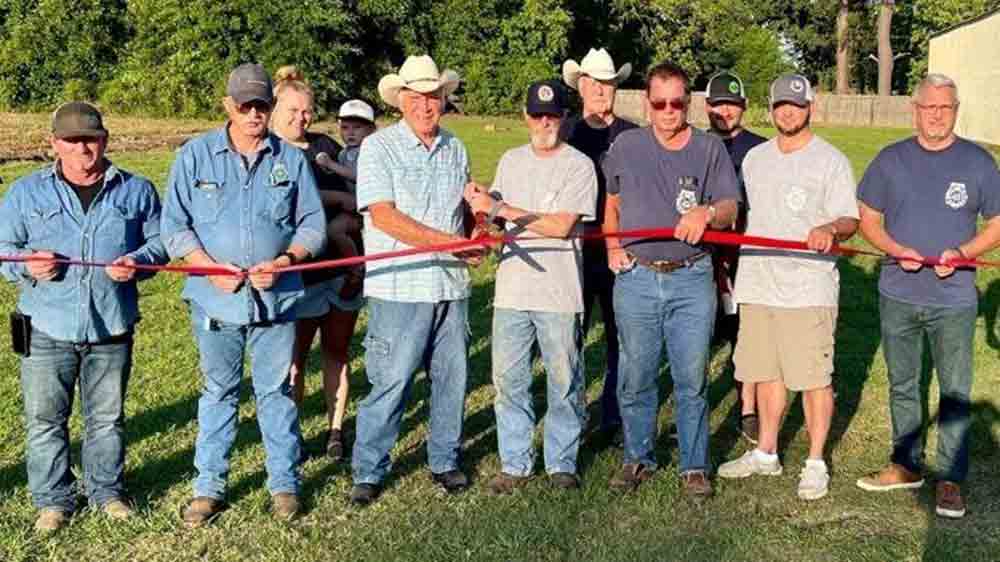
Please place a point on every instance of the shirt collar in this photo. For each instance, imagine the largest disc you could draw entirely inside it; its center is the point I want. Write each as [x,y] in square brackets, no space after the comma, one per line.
[222,143]
[110,173]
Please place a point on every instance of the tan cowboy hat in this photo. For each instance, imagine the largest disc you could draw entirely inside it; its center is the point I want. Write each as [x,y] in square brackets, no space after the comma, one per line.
[419,74]
[598,65]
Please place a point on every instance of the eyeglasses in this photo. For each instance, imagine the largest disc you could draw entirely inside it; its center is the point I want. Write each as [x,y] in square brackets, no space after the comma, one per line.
[677,104]
[944,108]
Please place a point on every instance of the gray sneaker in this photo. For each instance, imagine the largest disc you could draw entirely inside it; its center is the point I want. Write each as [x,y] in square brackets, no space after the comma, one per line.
[748,465]
[814,482]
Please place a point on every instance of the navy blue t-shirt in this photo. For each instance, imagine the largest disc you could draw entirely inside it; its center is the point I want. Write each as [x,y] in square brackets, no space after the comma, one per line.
[931,201]
[594,143]
[656,186]
[738,146]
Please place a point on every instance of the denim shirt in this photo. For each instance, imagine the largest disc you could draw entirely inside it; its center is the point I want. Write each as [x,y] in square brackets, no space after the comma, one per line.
[242,212]
[42,213]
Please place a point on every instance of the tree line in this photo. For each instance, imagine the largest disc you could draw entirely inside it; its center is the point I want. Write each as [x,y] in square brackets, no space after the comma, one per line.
[171,57]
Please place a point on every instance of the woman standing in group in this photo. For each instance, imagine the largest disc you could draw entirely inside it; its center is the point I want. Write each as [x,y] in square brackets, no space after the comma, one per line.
[333,297]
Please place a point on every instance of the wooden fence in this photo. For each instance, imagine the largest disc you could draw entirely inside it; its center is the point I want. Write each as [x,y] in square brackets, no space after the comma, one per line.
[830,109]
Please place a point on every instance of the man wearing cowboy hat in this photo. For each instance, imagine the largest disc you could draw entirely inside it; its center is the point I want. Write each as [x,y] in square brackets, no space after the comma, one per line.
[592,132]
[411,178]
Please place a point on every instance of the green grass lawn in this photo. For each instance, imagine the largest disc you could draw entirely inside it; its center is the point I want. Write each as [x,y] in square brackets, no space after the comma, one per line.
[755,519]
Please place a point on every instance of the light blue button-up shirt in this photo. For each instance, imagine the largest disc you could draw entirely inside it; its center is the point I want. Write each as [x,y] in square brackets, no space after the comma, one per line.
[242,212]
[425,184]
[42,213]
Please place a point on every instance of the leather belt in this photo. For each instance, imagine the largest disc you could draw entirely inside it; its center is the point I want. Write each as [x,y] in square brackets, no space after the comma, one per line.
[666,266]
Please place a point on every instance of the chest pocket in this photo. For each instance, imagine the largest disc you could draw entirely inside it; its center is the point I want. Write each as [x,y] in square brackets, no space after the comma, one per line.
[120,227]
[45,224]
[281,202]
[206,200]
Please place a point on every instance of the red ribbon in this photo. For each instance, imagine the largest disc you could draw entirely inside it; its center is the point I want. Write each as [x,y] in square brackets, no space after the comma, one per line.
[485,240]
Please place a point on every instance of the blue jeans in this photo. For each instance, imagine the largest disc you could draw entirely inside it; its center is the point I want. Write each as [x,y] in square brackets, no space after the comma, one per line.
[599,285]
[950,332]
[558,336]
[220,349]
[48,376]
[402,338]
[678,307]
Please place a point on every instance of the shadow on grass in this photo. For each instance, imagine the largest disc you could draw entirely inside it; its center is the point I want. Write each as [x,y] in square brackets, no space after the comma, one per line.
[989,303]
[476,428]
[975,535]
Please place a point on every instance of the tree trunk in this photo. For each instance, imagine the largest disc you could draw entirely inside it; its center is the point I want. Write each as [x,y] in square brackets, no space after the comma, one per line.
[843,52]
[885,58]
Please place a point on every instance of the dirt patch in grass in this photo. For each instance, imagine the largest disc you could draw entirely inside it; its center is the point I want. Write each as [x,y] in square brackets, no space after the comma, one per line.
[24,136]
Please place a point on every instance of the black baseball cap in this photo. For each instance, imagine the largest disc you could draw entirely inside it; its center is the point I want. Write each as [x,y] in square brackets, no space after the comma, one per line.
[77,119]
[725,86]
[249,82]
[546,97]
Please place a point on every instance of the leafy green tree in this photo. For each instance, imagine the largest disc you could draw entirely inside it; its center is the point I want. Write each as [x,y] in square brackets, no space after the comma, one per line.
[183,50]
[53,50]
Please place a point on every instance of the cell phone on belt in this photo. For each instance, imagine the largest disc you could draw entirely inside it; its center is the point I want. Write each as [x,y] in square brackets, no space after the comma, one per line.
[20,333]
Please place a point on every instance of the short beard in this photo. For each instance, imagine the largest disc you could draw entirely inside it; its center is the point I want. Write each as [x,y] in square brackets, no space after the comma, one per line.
[545,141]
[794,131]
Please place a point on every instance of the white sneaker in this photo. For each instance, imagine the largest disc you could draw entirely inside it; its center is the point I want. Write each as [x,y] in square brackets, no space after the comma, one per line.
[814,481]
[748,465]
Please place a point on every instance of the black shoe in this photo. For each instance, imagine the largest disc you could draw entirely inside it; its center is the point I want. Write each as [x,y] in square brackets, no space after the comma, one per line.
[453,481]
[614,433]
[564,481]
[750,428]
[335,445]
[364,494]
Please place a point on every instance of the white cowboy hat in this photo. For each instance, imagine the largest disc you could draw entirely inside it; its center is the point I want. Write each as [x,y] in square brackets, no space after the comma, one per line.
[419,74]
[598,65]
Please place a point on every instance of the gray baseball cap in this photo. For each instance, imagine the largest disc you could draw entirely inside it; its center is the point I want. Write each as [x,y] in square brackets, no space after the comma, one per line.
[77,119]
[249,82]
[792,88]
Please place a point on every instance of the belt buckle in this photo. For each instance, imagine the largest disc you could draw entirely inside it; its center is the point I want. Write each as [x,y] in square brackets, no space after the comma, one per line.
[665,266]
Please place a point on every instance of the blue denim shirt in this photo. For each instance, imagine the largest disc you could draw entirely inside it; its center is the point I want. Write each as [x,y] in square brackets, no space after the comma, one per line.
[42,213]
[243,213]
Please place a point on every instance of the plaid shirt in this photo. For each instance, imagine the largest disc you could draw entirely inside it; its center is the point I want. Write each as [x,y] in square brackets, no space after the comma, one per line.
[425,184]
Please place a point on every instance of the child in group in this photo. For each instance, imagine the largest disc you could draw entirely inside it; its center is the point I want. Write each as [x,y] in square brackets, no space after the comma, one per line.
[356,120]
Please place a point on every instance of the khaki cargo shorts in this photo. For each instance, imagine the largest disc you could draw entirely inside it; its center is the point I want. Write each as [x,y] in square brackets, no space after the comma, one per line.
[794,345]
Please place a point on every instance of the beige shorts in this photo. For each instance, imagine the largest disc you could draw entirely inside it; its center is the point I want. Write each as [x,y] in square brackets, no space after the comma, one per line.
[794,345]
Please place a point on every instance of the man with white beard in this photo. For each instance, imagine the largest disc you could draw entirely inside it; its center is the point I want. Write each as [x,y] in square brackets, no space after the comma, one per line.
[543,188]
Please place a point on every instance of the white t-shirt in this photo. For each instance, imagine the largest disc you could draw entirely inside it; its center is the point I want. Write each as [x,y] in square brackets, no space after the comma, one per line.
[789,195]
[544,275]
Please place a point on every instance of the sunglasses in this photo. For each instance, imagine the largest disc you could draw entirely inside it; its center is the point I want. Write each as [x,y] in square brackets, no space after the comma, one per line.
[259,105]
[677,104]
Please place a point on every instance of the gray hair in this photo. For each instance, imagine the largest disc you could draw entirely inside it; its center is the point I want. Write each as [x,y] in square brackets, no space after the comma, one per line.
[935,80]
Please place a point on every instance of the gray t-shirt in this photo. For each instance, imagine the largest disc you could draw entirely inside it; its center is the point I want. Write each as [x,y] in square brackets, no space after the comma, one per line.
[931,202]
[546,274]
[657,186]
[789,195]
